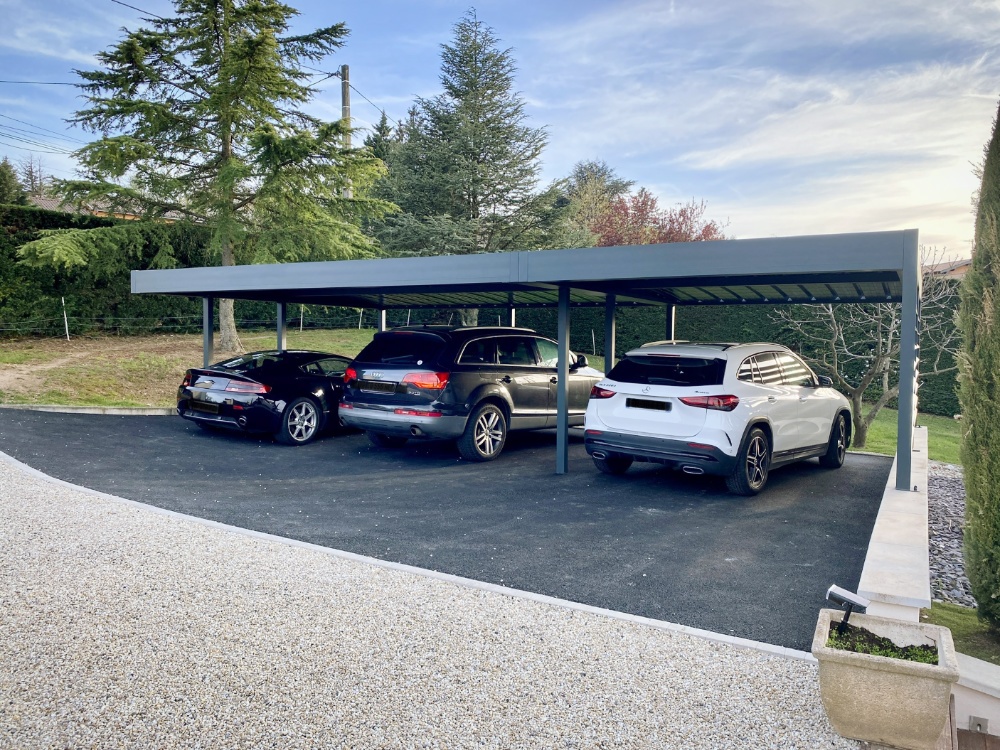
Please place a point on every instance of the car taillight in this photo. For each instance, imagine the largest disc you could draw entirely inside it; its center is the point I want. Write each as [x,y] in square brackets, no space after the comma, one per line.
[431,381]
[187,380]
[596,392]
[350,374]
[241,386]
[416,413]
[721,403]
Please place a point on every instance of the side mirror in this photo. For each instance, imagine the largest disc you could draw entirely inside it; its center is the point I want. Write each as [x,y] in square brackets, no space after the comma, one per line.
[825,382]
[581,361]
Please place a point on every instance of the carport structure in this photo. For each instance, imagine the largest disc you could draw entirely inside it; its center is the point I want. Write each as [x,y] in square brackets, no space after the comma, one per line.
[837,268]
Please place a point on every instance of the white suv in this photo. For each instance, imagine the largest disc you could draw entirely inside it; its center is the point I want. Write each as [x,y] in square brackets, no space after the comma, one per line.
[736,410]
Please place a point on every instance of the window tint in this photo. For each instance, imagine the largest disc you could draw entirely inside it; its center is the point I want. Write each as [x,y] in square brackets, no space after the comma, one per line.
[548,353]
[481,352]
[795,370]
[515,350]
[767,366]
[402,348]
[332,365]
[682,371]
[746,370]
[249,361]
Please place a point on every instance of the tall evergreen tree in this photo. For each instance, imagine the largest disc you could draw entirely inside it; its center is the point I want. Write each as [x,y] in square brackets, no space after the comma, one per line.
[466,171]
[979,384]
[199,117]
[379,141]
[10,187]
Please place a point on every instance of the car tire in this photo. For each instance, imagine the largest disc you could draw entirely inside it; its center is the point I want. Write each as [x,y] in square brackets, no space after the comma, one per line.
[386,441]
[612,464]
[837,449]
[300,422]
[485,434]
[749,475]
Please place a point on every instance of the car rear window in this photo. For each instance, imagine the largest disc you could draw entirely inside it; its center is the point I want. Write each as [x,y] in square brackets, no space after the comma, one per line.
[402,348]
[669,370]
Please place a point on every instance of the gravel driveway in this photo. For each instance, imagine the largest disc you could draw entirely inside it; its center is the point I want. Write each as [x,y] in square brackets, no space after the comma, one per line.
[124,626]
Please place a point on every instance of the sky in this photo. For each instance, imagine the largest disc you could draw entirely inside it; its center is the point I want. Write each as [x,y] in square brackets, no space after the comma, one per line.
[787,117]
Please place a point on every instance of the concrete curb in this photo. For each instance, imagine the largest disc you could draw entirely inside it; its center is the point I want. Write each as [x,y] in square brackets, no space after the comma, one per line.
[126,411]
[767,648]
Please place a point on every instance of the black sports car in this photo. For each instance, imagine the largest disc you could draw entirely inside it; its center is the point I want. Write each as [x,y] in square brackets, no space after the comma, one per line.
[291,394]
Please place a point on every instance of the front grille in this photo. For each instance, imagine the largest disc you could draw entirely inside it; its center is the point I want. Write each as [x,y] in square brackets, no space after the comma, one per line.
[376,386]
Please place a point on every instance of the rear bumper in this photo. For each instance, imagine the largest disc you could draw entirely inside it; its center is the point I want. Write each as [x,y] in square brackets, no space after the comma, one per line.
[250,418]
[384,420]
[681,453]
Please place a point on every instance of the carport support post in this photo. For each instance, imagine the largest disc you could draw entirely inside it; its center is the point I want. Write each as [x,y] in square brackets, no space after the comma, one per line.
[381,320]
[511,313]
[671,322]
[282,326]
[909,349]
[562,386]
[207,330]
[609,332]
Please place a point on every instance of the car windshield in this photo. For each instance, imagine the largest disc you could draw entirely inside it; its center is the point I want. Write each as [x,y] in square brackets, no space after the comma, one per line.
[402,348]
[248,362]
[669,370]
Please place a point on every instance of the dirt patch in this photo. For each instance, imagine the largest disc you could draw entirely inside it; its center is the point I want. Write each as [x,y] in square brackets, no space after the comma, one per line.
[128,370]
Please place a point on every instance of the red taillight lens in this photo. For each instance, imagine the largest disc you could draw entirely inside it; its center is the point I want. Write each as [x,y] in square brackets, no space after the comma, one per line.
[721,403]
[241,386]
[187,380]
[416,413]
[596,392]
[430,381]
[350,374]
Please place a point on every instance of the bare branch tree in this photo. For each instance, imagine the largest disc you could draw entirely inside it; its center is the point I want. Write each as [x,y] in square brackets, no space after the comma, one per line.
[858,344]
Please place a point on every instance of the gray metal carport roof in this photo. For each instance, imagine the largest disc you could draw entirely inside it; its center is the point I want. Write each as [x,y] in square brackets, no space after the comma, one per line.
[838,268]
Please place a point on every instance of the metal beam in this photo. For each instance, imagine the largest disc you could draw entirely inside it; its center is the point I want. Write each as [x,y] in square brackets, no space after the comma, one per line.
[609,332]
[381,320]
[282,326]
[909,359]
[207,330]
[671,322]
[562,386]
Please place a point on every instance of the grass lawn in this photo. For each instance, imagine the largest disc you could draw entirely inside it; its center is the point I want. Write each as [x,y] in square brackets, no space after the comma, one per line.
[944,436]
[972,637]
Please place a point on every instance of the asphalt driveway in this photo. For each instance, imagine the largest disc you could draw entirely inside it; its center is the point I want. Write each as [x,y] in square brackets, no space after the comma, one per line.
[654,542]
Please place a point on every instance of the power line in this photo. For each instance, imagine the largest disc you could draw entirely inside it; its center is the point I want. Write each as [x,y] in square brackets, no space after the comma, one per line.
[43,83]
[39,127]
[140,10]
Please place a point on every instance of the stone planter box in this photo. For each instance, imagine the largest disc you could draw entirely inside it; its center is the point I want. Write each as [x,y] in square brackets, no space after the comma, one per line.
[893,702]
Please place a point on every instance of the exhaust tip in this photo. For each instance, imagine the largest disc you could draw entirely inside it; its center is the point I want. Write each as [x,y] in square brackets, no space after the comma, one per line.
[242,421]
[599,454]
[416,431]
[692,470]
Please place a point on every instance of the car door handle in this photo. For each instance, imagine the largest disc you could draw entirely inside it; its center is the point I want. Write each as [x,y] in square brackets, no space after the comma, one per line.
[553,380]
[505,379]
[772,399]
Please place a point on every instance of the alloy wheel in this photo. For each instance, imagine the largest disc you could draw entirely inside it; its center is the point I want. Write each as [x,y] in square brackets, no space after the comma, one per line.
[489,432]
[302,421]
[757,462]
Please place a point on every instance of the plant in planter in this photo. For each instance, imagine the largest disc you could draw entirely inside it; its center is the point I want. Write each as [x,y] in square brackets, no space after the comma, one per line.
[884,699]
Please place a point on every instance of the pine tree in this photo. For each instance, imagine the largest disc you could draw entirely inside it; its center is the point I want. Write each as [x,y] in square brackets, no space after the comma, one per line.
[10,187]
[199,117]
[380,140]
[979,384]
[465,171]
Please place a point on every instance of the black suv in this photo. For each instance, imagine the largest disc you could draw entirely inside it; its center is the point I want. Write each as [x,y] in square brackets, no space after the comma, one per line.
[469,384]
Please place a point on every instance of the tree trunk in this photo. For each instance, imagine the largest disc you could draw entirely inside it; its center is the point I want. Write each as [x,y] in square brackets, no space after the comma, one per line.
[859,434]
[468,316]
[229,339]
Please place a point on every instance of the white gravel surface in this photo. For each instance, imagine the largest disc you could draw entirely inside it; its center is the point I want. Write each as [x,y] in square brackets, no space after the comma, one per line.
[123,627]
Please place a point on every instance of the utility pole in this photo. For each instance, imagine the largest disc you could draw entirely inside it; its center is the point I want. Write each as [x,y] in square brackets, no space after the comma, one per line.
[345,112]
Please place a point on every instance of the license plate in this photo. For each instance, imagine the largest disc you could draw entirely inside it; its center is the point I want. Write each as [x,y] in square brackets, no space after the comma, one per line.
[376,386]
[207,408]
[644,403]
